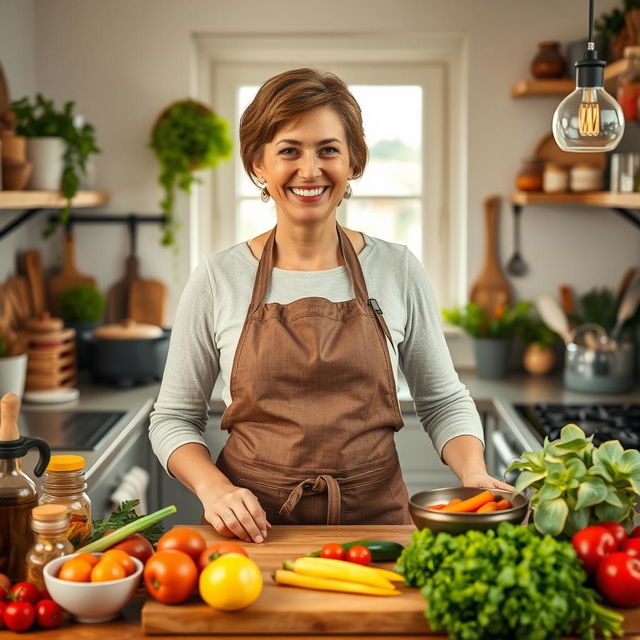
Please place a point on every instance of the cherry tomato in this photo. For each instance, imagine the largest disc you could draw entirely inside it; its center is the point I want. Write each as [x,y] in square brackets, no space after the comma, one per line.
[635,533]
[122,558]
[616,529]
[618,579]
[75,570]
[3,594]
[631,547]
[592,544]
[214,551]
[359,554]
[183,539]
[44,595]
[18,616]
[170,576]
[48,614]
[25,592]
[137,546]
[333,550]
[5,583]
[107,570]
[3,606]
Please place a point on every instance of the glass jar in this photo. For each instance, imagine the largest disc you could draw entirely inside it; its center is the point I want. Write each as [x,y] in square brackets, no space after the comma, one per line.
[555,178]
[64,482]
[628,90]
[529,177]
[49,523]
[548,62]
[585,177]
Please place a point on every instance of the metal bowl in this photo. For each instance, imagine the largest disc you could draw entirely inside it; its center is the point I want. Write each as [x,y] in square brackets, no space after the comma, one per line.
[461,522]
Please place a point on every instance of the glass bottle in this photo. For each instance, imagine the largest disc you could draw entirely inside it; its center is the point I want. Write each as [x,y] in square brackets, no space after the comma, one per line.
[629,84]
[64,482]
[49,523]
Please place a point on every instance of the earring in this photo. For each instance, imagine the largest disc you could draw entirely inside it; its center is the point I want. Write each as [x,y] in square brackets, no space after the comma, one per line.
[264,195]
[347,193]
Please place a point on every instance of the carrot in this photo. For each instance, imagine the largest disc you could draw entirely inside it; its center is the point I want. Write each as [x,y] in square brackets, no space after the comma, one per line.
[488,507]
[435,506]
[470,504]
[504,504]
[454,501]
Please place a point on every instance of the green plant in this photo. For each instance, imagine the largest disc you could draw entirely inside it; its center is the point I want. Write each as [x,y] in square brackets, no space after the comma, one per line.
[81,304]
[575,483]
[472,318]
[40,119]
[186,137]
[534,331]
[608,25]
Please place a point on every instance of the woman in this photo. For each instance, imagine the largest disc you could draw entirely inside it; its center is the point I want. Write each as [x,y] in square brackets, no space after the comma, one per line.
[310,369]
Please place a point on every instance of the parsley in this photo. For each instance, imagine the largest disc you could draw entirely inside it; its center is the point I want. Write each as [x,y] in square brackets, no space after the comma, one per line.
[124,514]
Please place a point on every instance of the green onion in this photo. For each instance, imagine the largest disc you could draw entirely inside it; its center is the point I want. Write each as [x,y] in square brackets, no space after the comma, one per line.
[128,530]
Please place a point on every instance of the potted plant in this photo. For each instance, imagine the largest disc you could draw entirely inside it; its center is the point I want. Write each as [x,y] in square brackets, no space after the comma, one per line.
[58,146]
[492,336]
[539,355]
[187,136]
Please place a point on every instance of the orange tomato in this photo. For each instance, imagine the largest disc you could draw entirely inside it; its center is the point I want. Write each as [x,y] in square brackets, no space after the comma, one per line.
[214,551]
[88,557]
[183,539]
[122,557]
[75,570]
[170,576]
[107,570]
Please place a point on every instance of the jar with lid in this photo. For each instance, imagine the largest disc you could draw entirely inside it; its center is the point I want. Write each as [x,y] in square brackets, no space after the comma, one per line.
[548,61]
[585,177]
[64,483]
[49,523]
[555,178]
[529,177]
[628,90]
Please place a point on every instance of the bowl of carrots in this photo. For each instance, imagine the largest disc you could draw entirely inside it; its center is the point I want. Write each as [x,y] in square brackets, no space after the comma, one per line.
[457,509]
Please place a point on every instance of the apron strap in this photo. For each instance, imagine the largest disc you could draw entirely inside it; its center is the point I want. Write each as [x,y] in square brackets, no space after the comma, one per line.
[320,484]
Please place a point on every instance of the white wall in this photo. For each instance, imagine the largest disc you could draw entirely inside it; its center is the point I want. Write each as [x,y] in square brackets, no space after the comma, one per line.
[124,60]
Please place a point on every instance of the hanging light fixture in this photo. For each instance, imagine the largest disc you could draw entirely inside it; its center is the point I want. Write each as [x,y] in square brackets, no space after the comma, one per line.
[588,119]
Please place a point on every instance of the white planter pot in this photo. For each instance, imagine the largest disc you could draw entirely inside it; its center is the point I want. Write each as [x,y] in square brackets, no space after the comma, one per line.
[46,156]
[13,373]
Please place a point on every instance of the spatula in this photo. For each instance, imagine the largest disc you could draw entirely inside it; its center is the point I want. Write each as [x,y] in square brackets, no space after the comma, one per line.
[554,317]
[627,308]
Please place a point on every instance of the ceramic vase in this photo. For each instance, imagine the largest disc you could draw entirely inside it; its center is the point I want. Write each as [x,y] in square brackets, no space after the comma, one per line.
[45,154]
[492,356]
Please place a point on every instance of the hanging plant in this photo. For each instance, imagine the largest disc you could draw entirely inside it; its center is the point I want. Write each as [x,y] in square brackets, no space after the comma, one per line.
[187,136]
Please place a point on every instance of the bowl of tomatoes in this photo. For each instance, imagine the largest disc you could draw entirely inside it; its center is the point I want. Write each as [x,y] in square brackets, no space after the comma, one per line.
[457,509]
[93,587]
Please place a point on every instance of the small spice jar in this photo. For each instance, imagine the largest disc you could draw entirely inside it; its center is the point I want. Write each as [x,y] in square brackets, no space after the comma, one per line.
[585,177]
[548,62]
[64,482]
[529,177]
[49,523]
[555,178]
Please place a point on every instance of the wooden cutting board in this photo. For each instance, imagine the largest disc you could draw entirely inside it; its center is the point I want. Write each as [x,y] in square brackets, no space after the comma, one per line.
[117,306]
[147,301]
[290,610]
[32,262]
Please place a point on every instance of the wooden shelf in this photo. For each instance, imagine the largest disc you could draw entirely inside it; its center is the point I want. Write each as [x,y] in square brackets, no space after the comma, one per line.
[563,86]
[50,199]
[610,199]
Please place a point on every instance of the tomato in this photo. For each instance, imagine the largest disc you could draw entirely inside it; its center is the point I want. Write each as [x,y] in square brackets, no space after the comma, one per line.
[107,570]
[631,546]
[618,579]
[18,616]
[3,594]
[635,533]
[48,614]
[231,582]
[137,546]
[75,570]
[44,595]
[214,551]
[25,592]
[170,576]
[359,554]
[616,529]
[183,539]
[592,544]
[122,558]
[5,583]
[3,606]
[333,550]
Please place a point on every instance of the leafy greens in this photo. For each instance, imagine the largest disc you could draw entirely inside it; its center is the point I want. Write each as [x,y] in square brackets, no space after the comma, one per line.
[124,514]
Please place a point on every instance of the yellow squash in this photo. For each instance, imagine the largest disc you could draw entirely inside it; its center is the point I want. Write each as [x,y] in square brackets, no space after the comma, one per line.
[338,570]
[293,579]
[391,576]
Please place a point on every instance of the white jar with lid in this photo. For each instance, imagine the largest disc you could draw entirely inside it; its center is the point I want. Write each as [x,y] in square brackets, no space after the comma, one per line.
[555,178]
[585,177]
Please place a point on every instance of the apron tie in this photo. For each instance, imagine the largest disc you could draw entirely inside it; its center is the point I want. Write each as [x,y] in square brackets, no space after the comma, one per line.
[322,483]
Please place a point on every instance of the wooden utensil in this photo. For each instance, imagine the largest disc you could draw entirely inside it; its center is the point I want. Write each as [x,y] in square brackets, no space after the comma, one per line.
[117,307]
[147,301]
[4,92]
[568,303]
[628,277]
[554,317]
[69,276]
[491,289]
[32,262]
[627,307]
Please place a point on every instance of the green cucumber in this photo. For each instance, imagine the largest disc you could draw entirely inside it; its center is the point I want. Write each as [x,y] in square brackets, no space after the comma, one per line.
[381,550]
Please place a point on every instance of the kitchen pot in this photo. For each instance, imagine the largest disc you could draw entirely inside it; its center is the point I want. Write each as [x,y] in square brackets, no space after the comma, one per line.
[127,353]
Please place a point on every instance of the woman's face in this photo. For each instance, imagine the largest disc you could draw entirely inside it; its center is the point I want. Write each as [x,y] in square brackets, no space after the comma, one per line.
[306,166]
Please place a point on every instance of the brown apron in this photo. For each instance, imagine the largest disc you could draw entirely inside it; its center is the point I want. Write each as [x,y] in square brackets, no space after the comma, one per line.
[314,407]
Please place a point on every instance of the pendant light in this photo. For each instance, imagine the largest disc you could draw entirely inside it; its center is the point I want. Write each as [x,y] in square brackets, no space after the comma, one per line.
[588,119]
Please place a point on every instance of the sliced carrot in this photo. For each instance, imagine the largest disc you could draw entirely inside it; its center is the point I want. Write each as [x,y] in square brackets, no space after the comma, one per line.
[437,507]
[470,504]
[487,507]
[454,501]
[504,504]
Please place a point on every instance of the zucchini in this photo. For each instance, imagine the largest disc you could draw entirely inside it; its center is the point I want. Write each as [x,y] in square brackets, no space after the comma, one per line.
[381,550]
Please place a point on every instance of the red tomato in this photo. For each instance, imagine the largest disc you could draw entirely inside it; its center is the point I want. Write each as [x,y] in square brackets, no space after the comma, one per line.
[618,579]
[635,533]
[359,554]
[137,546]
[333,550]
[2,608]
[3,593]
[48,614]
[631,547]
[170,576]
[18,616]
[5,583]
[219,549]
[44,595]
[183,539]
[592,544]
[25,592]
[616,529]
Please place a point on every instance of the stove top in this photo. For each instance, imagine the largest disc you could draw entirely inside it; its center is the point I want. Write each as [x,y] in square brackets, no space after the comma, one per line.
[68,430]
[604,421]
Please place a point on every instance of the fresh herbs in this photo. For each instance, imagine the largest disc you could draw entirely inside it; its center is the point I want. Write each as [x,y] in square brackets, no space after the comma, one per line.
[124,515]
[504,584]
[576,484]
[506,322]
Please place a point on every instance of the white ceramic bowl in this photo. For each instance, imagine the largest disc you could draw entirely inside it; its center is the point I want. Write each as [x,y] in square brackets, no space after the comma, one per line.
[91,602]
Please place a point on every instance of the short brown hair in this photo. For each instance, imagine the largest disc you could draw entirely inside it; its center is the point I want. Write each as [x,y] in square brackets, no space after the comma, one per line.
[291,95]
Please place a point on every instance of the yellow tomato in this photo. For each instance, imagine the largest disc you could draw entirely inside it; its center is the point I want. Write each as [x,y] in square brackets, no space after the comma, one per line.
[231,582]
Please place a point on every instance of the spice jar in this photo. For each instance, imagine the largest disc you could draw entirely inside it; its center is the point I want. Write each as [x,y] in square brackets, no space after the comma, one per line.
[585,177]
[555,178]
[49,523]
[64,483]
[628,90]
[529,177]
[548,62]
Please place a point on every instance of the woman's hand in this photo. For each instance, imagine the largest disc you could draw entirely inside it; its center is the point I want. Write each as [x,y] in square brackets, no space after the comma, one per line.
[483,480]
[235,512]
